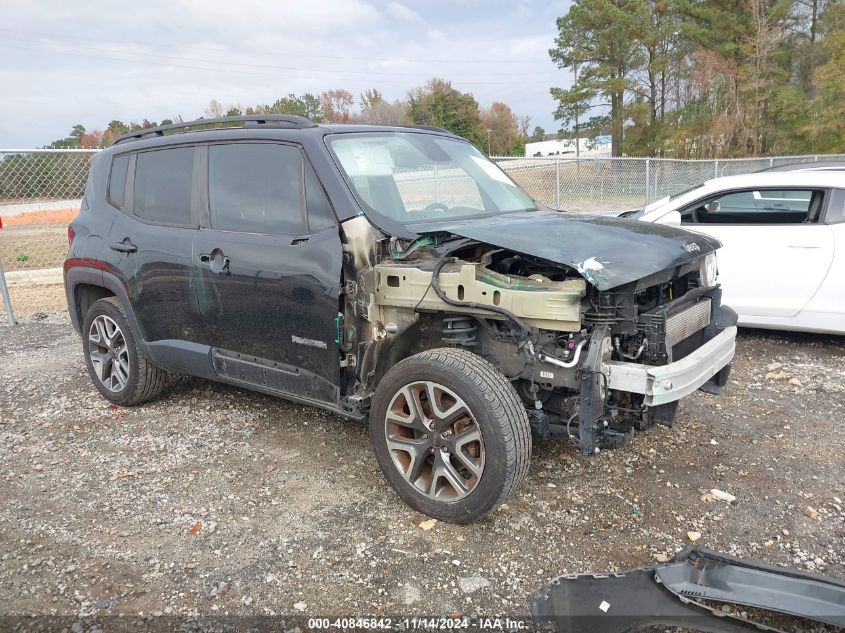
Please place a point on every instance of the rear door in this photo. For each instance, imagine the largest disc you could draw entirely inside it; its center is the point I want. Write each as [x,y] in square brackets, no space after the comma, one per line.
[149,244]
[268,265]
[776,253]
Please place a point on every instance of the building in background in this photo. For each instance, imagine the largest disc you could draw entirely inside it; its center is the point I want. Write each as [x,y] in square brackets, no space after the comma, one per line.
[596,147]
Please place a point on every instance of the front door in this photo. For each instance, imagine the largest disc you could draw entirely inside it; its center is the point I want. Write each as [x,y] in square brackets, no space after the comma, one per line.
[268,267]
[775,254]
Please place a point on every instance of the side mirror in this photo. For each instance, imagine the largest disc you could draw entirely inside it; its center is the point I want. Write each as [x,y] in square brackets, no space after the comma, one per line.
[713,206]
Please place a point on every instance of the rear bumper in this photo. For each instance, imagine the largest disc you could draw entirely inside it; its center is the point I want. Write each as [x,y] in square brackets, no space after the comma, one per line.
[667,383]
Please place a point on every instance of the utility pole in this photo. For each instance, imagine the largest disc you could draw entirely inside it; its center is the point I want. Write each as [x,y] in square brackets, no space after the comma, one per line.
[488,141]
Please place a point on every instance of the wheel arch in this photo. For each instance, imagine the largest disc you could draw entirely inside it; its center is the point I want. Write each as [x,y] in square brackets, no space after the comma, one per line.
[85,295]
[85,285]
[379,356]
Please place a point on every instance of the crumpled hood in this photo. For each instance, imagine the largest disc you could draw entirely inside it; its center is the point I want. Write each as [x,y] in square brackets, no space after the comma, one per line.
[607,251]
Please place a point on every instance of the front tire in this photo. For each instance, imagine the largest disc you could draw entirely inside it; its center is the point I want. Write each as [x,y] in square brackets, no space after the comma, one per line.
[118,367]
[450,434]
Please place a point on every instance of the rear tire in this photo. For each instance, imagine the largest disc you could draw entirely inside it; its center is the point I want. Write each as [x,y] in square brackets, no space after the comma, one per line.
[450,434]
[118,367]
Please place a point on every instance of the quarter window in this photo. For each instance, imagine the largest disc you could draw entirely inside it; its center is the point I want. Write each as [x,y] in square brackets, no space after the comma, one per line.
[117,179]
[162,186]
[256,188]
[320,215]
[836,209]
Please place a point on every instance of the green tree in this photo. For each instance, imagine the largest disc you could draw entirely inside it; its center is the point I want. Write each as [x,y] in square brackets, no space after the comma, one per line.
[114,129]
[742,44]
[827,126]
[664,50]
[597,39]
[72,140]
[539,134]
[77,132]
[438,103]
[306,105]
[572,105]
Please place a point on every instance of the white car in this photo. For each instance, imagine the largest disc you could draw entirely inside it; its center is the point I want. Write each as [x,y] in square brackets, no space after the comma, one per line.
[782,265]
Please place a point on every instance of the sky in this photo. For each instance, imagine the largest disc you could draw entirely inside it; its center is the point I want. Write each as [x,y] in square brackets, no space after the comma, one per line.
[91,61]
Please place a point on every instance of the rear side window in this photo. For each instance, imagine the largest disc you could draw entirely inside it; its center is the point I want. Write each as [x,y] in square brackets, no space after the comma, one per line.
[162,185]
[117,179]
[256,188]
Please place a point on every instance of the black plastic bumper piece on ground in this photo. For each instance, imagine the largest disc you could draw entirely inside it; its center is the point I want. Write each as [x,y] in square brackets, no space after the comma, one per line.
[668,595]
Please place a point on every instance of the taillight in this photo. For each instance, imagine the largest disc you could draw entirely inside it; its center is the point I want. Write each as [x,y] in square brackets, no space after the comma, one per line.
[70,234]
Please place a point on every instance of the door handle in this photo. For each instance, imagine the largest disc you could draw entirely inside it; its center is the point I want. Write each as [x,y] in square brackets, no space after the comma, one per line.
[123,247]
[298,240]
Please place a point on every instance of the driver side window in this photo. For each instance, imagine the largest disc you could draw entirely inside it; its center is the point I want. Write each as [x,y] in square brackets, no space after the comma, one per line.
[756,206]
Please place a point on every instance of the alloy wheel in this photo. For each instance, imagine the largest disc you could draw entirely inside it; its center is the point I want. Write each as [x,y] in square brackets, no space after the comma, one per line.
[434,441]
[109,353]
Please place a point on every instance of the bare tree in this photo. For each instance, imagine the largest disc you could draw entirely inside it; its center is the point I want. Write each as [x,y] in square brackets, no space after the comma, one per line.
[336,105]
[524,124]
[214,110]
[376,110]
[501,124]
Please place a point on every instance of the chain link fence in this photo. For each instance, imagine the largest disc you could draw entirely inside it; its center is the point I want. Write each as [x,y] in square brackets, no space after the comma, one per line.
[41,190]
[600,185]
[40,193]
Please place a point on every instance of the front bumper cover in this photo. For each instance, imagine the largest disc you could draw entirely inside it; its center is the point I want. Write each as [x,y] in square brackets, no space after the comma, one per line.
[663,384]
[671,594]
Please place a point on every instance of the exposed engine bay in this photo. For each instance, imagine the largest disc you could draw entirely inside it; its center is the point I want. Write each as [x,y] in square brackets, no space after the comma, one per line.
[575,353]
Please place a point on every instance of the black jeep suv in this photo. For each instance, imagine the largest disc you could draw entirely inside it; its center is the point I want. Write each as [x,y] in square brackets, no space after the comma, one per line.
[390,273]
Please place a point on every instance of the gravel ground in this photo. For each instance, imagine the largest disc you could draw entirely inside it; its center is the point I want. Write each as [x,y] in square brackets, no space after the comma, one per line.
[34,302]
[213,500]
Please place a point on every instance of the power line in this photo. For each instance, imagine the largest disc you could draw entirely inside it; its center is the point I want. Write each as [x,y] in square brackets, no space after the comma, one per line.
[144,59]
[11,32]
[179,58]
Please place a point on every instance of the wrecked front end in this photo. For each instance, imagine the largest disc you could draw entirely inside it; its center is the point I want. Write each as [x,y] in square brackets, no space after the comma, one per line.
[594,358]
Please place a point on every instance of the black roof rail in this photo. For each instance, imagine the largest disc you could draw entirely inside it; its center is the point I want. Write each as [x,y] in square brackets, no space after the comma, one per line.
[280,120]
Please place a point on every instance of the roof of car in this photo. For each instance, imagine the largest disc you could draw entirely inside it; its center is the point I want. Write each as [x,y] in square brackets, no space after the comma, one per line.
[266,122]
[779,179]
[821,165]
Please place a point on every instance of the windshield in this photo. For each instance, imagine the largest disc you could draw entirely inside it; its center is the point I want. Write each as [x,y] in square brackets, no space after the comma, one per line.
[413,178]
